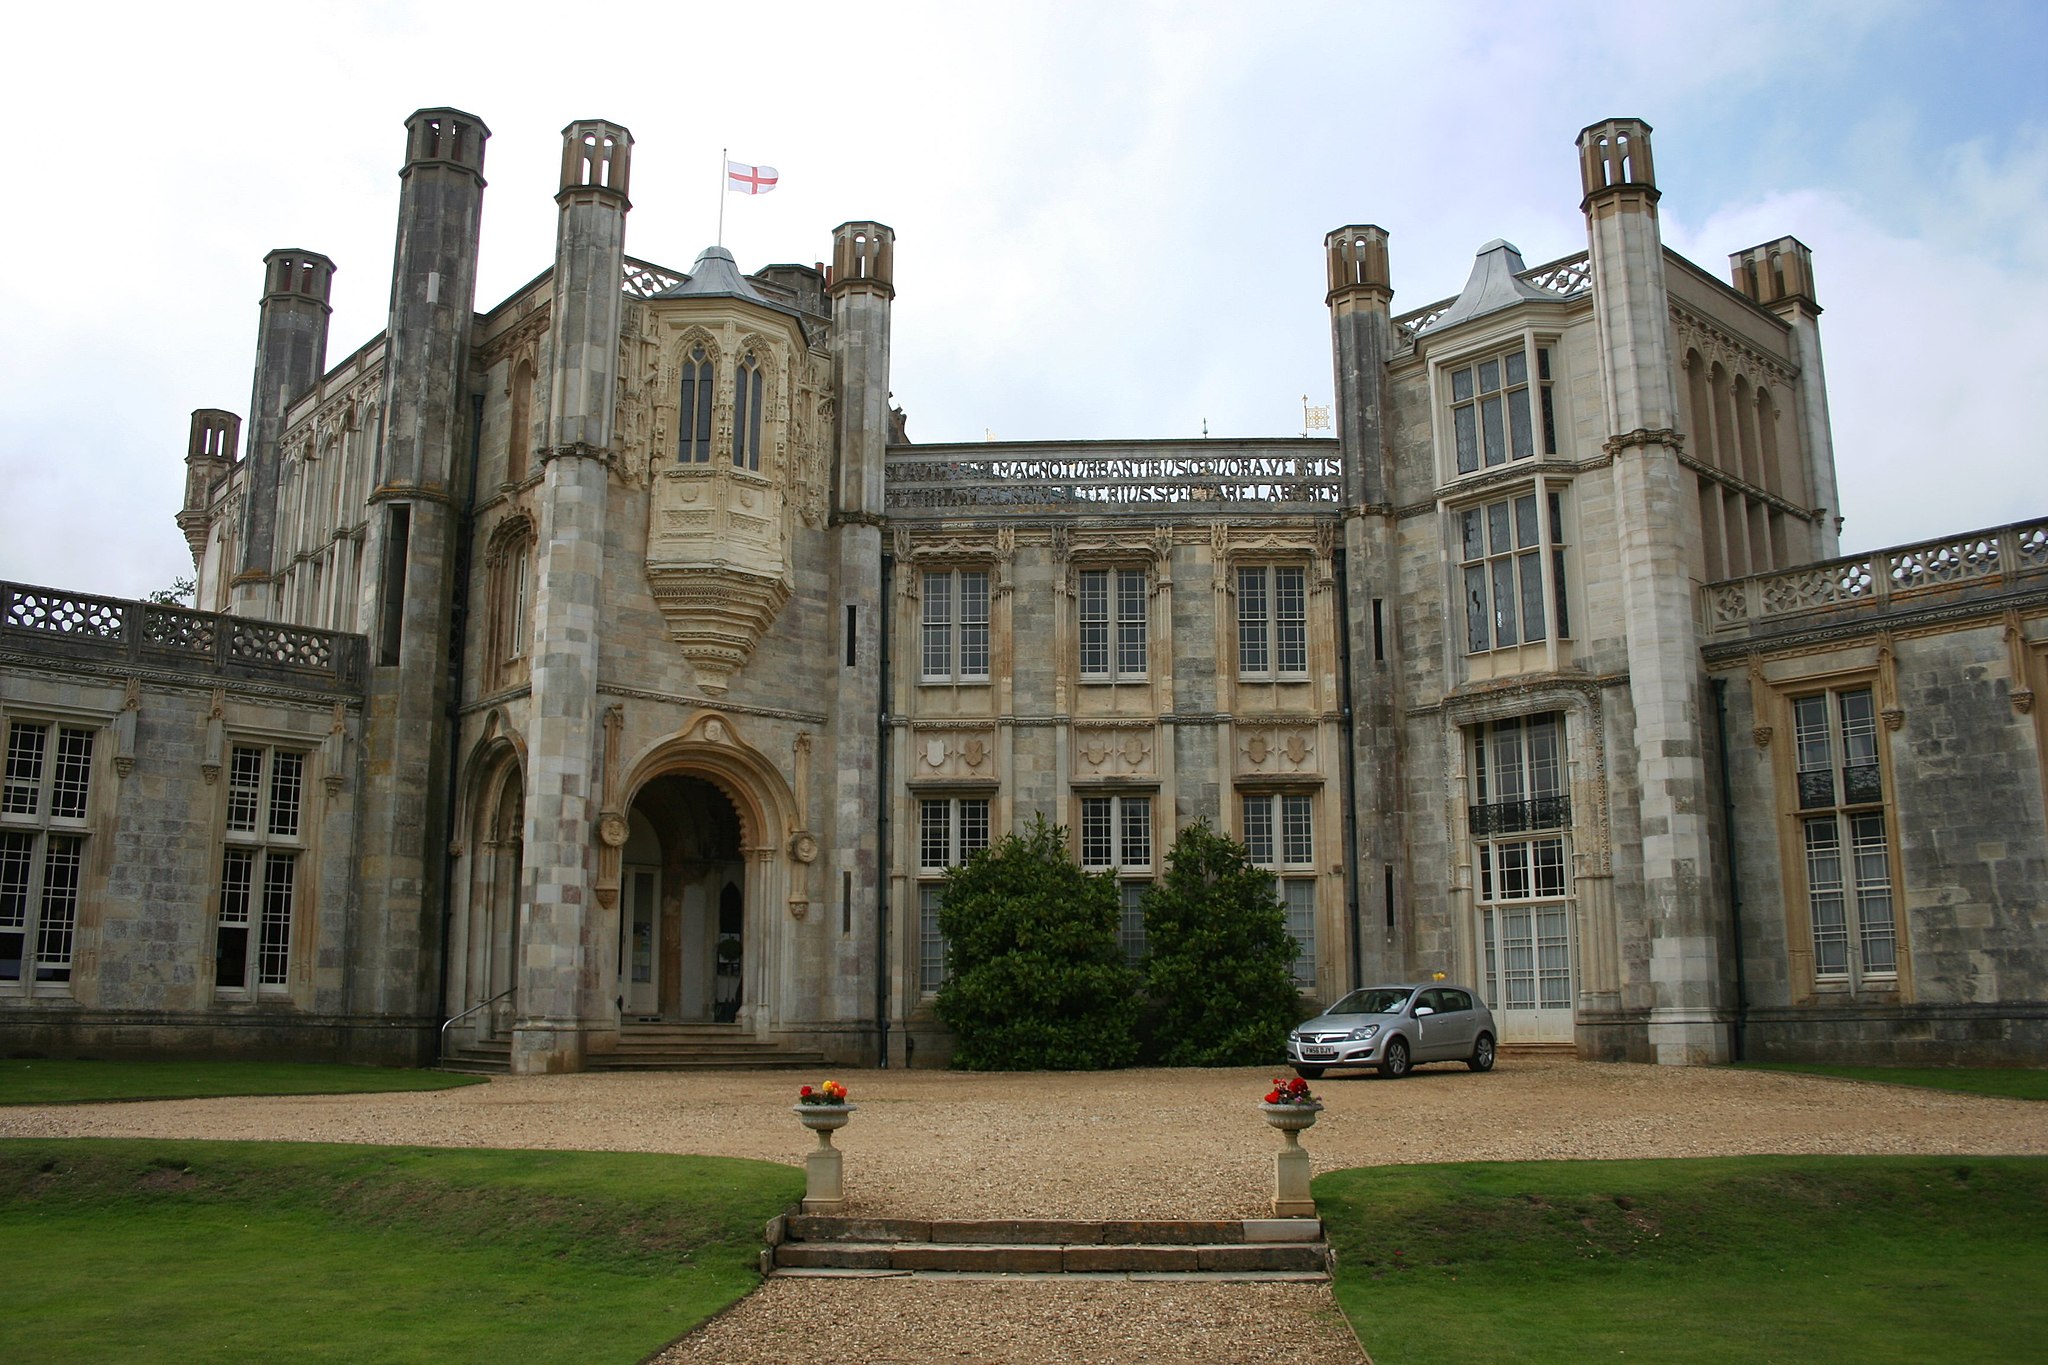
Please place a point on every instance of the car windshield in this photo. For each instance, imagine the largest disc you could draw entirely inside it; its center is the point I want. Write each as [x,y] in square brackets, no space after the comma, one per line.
[1372,1000]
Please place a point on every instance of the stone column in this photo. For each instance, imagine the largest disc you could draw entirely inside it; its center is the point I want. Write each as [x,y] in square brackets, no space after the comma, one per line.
[1687,1019]
[1779,276]
[562,972]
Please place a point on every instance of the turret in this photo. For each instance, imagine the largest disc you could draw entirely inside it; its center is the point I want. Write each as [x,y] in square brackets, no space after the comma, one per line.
[1779,276]
[1360,300]
[209,455]
[1654,525]
[564,930]
[291,355]
[410,563]
[862,286]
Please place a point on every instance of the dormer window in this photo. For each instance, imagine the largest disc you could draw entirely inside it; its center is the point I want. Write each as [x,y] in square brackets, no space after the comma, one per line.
[746,416]
[693,410]
[1491,411]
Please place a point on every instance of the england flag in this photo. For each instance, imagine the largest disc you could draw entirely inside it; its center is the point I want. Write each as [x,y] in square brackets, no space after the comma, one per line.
[749,179]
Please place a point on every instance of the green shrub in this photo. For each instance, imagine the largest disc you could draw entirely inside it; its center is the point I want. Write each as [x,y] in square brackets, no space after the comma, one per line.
[1219,985]
[1036,978]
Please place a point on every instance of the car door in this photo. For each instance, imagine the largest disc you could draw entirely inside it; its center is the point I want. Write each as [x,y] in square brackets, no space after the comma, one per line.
[1429,1027]
[1457,1022]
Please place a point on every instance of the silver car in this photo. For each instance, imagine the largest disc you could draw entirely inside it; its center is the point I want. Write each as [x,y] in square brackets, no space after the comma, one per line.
[1396,1028]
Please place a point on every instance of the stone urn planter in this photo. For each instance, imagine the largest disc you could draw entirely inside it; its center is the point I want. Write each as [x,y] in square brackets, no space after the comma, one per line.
[1290,1164]
[824,1176]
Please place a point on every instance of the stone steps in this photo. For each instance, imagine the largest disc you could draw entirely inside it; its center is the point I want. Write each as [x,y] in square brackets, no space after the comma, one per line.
[484,1057]
[655,1047]
[1231,1249]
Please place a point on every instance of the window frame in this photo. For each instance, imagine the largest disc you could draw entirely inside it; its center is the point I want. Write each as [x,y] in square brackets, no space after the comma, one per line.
[31,823]
[1858,812]
[943,615]
[1287,828]
[696,391]
[276,860]
[1263,641]
[1475,527]
[1124,622]
[968,828]
[1134,875]
[1538,354]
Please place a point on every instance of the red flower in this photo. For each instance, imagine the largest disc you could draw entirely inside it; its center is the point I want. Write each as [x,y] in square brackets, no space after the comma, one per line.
[803,1092]
[1272,1097]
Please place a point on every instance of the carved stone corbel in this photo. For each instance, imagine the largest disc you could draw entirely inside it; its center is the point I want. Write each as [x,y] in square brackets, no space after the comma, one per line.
[2016,657]
[613,829]
[1889,709]
[333,750]
[1759,689]
[124,727]
[216,737]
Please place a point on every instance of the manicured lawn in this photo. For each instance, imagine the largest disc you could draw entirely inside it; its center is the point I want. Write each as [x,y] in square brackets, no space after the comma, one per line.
[230,1251]
[69,1082]
[1814,1260]
[2003,1082]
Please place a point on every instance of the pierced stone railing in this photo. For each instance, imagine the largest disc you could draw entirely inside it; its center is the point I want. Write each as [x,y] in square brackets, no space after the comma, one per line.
[1114,476]
[52,622]
[1566,277]
[644,279]
[1879,578]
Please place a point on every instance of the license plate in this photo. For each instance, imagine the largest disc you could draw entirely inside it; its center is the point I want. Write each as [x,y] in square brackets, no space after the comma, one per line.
[1318,1053]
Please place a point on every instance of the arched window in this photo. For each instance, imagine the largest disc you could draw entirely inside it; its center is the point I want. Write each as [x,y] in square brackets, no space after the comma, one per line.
[746,417]
[693,409]
[519,425]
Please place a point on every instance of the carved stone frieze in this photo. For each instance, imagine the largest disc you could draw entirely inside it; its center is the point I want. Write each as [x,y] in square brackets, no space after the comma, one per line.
[953,752]
[1117,750]
[1277,750]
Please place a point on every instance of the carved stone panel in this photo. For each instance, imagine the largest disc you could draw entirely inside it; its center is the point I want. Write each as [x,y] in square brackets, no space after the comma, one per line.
[1283,750]
[1116,752]
[952,753]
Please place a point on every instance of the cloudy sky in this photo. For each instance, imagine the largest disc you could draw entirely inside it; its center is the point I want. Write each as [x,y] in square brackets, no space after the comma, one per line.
[1109,216]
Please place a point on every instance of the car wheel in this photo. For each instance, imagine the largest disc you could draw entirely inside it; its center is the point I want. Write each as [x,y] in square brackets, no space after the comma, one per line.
[1395,1063]
[1309,1073]
[1482,1054]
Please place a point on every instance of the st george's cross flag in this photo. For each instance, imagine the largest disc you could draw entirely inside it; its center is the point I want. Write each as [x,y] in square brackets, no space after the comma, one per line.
[749,179]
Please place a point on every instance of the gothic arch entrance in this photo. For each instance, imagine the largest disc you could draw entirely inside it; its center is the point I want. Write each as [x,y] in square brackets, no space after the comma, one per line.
[683,941]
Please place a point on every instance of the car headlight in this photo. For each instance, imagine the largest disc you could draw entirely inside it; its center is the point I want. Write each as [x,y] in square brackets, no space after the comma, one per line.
[1366,1034]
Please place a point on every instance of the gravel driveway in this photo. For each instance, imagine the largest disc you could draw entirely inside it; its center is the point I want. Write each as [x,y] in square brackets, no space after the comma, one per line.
[1132,1144]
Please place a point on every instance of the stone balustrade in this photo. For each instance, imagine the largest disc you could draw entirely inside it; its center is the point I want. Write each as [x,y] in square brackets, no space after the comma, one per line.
[51,622]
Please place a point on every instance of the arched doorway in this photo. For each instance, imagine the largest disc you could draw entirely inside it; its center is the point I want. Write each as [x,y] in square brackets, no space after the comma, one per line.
[485,953]
[682,897]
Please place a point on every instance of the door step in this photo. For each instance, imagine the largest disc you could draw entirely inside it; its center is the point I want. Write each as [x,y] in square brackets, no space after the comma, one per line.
[1246,1249]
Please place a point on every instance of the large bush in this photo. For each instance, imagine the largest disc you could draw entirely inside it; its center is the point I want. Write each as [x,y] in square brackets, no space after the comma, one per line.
[1036,978]
[1219,985]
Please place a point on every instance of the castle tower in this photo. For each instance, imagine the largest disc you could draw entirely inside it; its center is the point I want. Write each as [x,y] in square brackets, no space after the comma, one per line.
[1779,276]
[562,937]
[862,288]
[414,509]
[209,455]
[291,354]
[1360,300]
[1687,1020]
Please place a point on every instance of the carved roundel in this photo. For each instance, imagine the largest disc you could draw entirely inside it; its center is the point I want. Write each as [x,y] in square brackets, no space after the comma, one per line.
[804,847]
[614,830]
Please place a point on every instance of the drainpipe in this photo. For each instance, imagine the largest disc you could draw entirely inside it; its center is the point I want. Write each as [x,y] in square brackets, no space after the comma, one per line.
[885,802]
[1344,774]
[1734,882]
[458,630]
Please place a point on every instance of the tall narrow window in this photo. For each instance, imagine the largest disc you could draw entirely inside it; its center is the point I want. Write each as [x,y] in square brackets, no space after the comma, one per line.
[519,422]
[1279,833]
[1272,621]
[746,416]
[1844,833]
[693,409]
[955,626]
[950,830]
[262,843]
[1520,817]
[1113,617]
[43,835]
[1116,836]
[1491,412]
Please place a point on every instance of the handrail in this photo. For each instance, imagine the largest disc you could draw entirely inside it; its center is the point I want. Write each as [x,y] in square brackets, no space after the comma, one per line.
[456,1019]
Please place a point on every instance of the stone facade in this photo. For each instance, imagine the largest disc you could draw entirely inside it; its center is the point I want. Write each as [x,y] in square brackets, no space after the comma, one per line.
[665,676]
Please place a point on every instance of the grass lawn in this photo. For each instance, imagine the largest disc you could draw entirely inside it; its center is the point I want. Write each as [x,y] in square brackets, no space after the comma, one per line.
[236,1251]
[71,1082]
[1814,1260]
[2002,1082]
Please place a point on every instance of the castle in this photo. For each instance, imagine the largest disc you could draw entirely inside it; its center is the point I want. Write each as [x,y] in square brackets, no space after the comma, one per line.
[605,672]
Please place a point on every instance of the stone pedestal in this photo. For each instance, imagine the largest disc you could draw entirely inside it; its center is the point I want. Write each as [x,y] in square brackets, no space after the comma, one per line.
[1290,1182]
[824,1179]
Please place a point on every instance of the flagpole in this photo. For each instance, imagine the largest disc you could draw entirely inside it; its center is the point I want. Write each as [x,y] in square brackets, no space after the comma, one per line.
[723,152]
